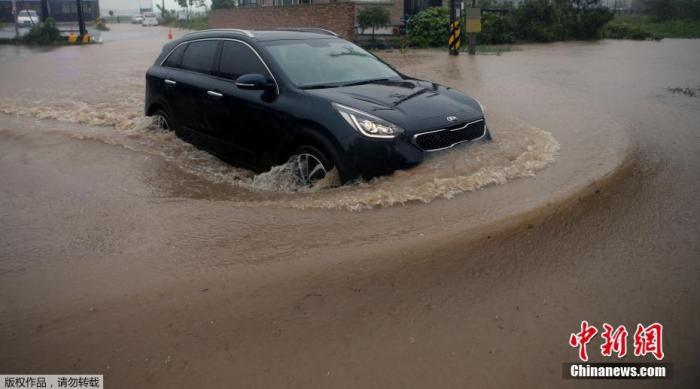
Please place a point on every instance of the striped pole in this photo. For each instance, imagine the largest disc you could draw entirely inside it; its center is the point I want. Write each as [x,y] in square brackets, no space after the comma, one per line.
[455,40]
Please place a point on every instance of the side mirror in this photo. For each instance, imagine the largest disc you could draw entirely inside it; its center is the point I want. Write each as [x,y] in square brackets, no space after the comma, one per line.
[253,81]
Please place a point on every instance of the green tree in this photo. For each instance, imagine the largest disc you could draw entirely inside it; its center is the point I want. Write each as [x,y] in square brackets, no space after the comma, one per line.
[430,27]
[373,17]
[550,20]
[186,5]
[496,28]
[538,21]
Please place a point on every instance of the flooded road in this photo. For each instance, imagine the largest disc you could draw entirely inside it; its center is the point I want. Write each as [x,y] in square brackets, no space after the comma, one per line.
[126,252]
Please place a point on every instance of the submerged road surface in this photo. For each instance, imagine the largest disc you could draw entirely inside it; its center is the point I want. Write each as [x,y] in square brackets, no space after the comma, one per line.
[128,253]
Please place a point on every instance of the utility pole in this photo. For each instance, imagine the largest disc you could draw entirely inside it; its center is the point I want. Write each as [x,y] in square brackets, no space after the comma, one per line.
[44,10]
[473,24]
[472,36]
[14,18]
[81,20]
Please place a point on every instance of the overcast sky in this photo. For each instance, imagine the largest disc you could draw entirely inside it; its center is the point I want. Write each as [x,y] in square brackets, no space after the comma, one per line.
[133,5]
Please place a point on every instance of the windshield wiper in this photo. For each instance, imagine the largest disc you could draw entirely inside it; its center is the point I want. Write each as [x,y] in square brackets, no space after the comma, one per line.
[339,85]
[366,81]
[321,86]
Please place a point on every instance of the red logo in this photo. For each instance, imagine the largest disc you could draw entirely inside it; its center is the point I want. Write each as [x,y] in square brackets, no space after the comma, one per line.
[615,341]
[582,338]
[647,340]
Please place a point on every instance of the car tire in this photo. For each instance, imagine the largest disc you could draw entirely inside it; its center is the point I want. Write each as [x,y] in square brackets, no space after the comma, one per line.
[161,120]
[311,164]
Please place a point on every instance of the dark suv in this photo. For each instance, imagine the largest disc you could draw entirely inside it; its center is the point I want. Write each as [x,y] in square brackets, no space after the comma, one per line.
[263,98]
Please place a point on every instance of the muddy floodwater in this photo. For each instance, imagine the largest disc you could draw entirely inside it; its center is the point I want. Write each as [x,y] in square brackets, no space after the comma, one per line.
[127,252]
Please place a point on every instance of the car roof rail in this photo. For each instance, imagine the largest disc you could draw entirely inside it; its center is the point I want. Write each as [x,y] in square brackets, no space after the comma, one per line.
[247,33]
[308,29]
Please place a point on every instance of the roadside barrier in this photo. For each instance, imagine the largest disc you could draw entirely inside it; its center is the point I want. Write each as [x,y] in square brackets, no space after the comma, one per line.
[74,38]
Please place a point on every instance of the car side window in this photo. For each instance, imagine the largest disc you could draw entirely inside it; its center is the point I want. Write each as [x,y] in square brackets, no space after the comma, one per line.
[199,56]
[175,57]
[238,59]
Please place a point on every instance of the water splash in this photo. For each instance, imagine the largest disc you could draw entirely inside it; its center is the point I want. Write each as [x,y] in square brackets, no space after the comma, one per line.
[518,151]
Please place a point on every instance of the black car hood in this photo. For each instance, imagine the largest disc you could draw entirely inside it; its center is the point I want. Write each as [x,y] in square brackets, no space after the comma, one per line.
[411,104]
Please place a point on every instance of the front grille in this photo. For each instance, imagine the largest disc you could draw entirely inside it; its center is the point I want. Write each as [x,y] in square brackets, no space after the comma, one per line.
[442,139]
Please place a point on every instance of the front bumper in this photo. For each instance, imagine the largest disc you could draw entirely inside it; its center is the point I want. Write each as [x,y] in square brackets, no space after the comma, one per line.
[372,158]
[377,157]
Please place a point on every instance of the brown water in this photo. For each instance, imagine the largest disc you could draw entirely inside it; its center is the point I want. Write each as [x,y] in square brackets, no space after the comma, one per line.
[127,252]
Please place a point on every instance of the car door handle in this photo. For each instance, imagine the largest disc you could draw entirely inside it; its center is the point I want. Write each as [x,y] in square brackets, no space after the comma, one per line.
[215,94]
[170,82]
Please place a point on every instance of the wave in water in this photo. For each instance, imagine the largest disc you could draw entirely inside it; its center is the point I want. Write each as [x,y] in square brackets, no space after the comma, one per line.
[517,151]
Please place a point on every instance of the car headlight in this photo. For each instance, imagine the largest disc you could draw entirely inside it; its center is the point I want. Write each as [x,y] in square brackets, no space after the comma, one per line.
[366,124]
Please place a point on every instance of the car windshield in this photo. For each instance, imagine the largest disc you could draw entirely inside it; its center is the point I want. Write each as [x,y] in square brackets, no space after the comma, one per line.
[149,15]
[28,13]
[326,62]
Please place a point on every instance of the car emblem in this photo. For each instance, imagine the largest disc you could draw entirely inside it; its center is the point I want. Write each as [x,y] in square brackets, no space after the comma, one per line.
[451,118]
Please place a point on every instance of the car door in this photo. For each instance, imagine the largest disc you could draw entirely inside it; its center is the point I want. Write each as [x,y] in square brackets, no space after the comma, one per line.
[192,83]
[165,82]
[248,120]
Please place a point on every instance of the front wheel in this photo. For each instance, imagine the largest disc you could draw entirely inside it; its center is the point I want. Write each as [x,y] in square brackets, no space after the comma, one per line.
[161,120]
[310,165]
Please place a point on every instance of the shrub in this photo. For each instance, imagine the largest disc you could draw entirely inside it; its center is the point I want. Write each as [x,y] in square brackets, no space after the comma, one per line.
[533,21]
[537,21]
[625,31]
[642,27]
[430,27]
[496,29]
[45,33]
[591,22]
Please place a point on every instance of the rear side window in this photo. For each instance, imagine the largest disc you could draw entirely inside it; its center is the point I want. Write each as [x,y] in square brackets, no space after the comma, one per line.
[175,57]
[238,59]
[199,56]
